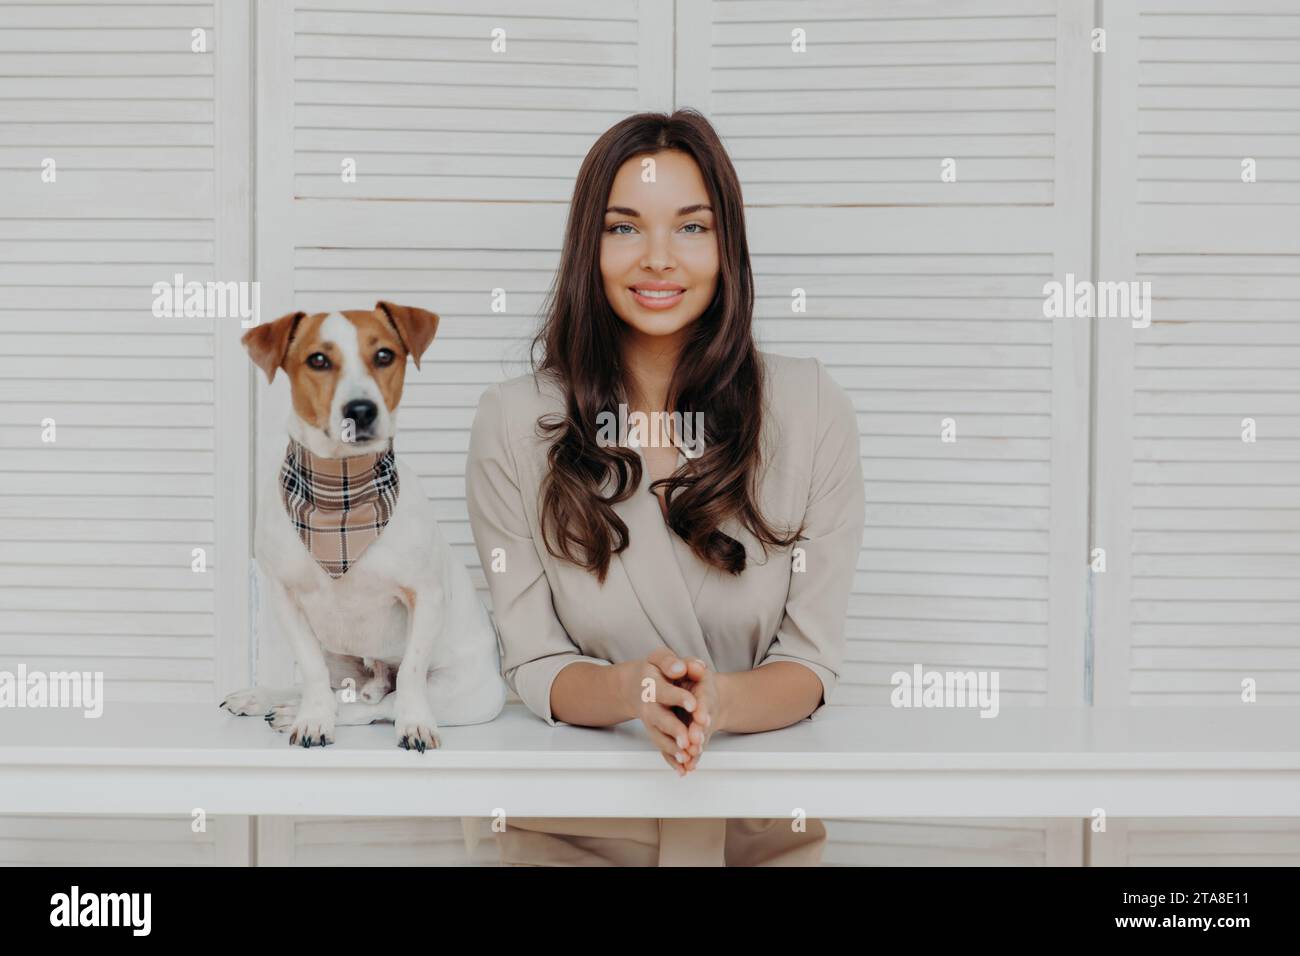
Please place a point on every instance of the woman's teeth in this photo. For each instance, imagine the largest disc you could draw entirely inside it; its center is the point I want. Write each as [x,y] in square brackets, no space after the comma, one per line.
[658,293]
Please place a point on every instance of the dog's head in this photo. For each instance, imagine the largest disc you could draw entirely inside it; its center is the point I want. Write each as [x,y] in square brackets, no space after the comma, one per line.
[344,367]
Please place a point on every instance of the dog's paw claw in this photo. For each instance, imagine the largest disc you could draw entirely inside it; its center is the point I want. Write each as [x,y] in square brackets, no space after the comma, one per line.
[418,737]
[310,737]
[303,730]
[282,717]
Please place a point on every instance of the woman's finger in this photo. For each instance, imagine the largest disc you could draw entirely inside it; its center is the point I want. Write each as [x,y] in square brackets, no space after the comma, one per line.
[666,693]
[673,763]
[663,720]
[703,692]
[692,762]
[673,667]
[696,737]
[667,746]
[670,695]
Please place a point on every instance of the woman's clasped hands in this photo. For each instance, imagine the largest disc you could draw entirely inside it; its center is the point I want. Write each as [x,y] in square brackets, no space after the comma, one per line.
[679,700]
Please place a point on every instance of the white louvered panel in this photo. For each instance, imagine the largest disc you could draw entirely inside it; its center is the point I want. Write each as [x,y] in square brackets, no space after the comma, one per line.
[939,842]
[112,93]
[954,570]
[415,94]
[1197,842]
[1216,521]
[924,306]
[883,93]
[119,841]
[98,528]
[1218,82]
[1202,589]
[382,841]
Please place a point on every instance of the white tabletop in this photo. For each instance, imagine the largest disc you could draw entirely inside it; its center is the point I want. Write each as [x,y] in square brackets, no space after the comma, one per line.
[848,762]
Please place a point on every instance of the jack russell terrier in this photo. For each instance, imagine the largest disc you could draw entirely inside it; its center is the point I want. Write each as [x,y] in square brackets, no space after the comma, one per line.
[361,581]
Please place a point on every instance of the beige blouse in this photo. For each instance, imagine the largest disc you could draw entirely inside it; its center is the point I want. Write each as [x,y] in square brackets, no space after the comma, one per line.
[789,605]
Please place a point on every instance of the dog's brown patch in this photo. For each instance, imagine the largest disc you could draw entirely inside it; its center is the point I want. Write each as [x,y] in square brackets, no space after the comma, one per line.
[375,333]
[312,388]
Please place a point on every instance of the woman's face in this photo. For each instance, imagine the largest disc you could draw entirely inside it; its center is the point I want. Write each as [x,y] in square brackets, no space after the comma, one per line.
[659,251]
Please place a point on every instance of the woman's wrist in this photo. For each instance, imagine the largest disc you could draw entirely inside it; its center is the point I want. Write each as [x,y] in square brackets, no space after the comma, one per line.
[726,689]
[624,687]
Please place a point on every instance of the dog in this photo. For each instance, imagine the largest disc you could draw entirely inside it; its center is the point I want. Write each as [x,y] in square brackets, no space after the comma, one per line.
[361,581]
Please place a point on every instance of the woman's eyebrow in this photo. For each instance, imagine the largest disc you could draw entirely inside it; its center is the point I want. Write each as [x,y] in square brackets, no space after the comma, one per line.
[684,211]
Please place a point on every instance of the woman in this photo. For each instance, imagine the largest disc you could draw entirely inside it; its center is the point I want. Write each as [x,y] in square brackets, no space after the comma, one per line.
[714,563]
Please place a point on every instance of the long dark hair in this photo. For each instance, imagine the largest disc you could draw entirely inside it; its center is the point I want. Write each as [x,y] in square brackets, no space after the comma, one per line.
[718,372]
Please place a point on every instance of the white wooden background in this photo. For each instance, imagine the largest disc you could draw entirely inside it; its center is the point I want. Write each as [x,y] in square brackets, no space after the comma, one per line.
[924,300]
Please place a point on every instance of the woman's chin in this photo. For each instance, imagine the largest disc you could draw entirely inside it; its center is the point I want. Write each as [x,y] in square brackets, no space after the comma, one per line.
[658,328]
[658,322]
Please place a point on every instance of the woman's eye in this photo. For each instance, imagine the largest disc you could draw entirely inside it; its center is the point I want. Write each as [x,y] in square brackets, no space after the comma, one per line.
[694,228]
[384,358]
[318,360]
[618,227]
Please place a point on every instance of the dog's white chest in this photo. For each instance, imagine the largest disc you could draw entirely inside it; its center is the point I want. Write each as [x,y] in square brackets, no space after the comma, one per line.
[359,614]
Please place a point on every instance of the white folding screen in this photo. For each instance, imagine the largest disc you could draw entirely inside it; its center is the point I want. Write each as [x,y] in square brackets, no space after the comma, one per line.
[924,299]
[123,161]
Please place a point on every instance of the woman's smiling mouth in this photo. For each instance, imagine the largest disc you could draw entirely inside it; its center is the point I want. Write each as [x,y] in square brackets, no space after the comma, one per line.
[657,295]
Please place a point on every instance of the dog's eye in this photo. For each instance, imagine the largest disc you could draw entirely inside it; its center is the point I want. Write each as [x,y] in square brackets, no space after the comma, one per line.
[384,358]
[318,360]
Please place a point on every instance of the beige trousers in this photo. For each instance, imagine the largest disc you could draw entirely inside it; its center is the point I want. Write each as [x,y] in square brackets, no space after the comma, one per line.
[538,841]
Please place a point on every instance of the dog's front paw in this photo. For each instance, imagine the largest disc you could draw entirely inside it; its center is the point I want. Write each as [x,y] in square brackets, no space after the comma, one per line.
[308,727]
[417,732]
[249,702]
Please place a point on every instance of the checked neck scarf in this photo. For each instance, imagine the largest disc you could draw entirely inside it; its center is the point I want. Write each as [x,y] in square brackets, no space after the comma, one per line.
[338,505]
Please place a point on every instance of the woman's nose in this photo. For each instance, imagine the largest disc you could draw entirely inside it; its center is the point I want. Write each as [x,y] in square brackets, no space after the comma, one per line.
[658,254]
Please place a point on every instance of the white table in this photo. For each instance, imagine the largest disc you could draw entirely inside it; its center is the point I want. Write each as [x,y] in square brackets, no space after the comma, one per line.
[848,762]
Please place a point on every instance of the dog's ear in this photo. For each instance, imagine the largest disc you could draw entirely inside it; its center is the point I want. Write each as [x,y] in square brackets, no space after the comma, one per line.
[415,327]
[268,344]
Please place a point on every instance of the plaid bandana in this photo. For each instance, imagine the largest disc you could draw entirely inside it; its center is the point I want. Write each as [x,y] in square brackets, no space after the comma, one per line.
[338,505]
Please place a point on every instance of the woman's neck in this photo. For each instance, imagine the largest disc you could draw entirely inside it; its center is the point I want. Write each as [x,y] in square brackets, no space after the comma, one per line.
[648,364]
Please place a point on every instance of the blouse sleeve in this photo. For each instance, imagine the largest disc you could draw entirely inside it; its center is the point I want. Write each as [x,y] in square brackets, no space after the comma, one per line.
[812,628]
[535,647]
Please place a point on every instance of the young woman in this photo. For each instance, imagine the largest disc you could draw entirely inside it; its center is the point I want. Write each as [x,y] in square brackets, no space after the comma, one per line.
[715,562]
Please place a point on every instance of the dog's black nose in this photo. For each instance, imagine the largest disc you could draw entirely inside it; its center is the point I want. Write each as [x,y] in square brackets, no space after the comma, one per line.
[362,412]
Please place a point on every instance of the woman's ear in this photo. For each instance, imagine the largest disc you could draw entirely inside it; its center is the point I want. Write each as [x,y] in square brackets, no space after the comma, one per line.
[268,344]
[415,327]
